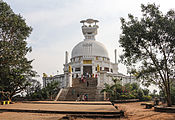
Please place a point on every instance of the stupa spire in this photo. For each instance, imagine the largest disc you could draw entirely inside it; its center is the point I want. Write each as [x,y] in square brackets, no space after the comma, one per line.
[89,28]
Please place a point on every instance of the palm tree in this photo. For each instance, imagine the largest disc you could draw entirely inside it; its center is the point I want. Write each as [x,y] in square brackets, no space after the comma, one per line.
[113,91]
[108,89]
[116,87]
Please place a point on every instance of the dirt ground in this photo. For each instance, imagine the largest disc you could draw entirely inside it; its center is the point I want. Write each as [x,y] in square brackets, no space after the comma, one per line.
[133,111]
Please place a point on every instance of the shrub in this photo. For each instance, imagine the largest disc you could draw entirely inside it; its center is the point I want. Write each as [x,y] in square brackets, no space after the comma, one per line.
[140,94]
[123,97]
[130,96]
[173,94]
[147,98]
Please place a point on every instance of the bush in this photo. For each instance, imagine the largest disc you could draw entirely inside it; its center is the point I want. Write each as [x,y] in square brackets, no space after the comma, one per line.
[173,94]
[147,98]
[123,97]
[130,96]
[140,94]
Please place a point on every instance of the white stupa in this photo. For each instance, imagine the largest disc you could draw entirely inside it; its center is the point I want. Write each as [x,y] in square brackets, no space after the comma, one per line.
[89,53]
[89,58]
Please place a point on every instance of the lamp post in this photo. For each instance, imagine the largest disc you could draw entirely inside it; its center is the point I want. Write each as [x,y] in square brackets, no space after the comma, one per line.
[129,71]
[172,77]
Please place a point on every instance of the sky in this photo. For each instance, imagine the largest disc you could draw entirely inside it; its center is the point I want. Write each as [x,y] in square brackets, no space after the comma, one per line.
[56,27]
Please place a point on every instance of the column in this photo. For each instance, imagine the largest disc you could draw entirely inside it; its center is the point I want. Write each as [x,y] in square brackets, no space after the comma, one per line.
[70,79]
[81,68]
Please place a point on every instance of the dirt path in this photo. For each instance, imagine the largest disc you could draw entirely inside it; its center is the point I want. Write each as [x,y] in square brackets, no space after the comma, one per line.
[134,111]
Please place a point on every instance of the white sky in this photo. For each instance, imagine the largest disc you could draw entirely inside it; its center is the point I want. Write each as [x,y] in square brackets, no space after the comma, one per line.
[56,26]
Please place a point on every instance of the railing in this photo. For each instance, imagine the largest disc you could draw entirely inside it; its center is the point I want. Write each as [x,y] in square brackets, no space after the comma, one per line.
[58,95]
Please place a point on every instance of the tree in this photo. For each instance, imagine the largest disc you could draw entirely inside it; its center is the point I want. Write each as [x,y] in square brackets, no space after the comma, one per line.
[117,88]
[49,92]
[108,89]
[113,91]
[149,42]
[173,93]
[140,94]
[15,68]
[146,91]
[52,89]
[34,86]
[128,87]
[135,86]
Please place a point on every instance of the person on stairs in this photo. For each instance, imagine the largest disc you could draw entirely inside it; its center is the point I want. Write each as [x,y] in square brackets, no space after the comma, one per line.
[87,84]
[78,97]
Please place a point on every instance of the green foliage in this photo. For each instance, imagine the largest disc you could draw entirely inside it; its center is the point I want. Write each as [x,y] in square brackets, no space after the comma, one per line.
[154,95]
[128,87]
[150,42]
[52,89]
[140,94]
[49,92]
[128,91]
[146,91]
[123,97]
[15,69]
[147,98]
[34,86]
[113,91]
[108,89]
[135,86]
[173,94]
[117,88]
[131,96]
[127,96]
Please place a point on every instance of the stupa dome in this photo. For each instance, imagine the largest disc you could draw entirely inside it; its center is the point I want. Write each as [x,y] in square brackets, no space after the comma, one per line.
[89,48]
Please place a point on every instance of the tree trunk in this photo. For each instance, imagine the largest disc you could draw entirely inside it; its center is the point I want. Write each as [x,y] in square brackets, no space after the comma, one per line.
[169,103]
[10,97]
[167,93]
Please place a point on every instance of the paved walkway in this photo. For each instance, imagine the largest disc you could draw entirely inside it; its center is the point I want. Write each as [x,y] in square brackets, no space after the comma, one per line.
[62,107]
[29,116]
[71,102]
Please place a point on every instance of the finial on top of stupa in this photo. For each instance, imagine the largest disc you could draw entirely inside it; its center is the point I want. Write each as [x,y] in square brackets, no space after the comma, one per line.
[89,30]
[89,21]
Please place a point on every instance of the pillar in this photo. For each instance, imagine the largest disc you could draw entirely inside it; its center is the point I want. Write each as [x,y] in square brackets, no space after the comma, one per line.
[70,79]
[81,68]
[66,57]
[115,52]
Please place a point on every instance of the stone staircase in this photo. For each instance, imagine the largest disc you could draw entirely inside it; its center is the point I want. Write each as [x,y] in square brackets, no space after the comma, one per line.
[91,92]
[77,82]
[88,86]
[63,94]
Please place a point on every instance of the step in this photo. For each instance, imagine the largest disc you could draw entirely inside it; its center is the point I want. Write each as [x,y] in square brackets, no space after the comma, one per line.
[95,116]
